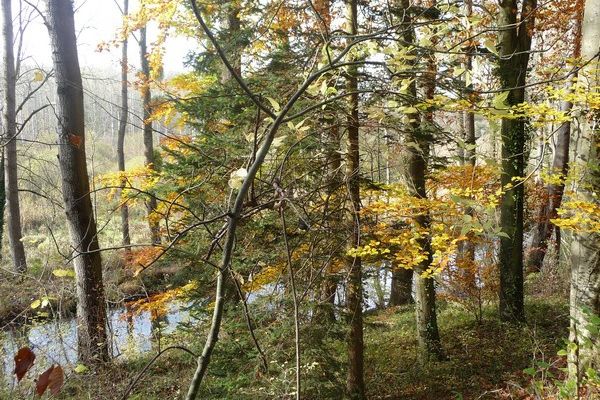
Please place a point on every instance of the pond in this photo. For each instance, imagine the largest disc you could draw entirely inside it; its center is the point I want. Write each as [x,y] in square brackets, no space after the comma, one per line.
[55,342]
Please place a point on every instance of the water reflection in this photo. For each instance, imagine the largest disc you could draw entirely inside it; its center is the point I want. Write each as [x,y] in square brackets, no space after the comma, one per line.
[56,342]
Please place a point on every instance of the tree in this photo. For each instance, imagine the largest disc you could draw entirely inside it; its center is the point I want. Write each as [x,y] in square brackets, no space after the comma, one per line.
[544,227]
[10,142]
[149,161]
[122,128]
[585,245]
[355,383]
[515,45]
[92,341]
[401,286]
[418,137]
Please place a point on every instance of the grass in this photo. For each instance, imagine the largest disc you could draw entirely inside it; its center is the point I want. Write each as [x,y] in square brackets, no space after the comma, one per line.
[485,360]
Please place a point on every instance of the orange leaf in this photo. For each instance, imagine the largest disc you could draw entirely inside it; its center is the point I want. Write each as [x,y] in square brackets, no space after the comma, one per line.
[75,140]
[23,362]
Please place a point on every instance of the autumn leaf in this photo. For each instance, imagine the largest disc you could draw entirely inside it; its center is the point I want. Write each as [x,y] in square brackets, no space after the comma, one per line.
[75,140]
[52,378]
[23,362]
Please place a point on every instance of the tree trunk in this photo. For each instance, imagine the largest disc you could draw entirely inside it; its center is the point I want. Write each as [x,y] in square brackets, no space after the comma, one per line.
[401,286]
[585,246]
[355,384]
[560,165]
[2,200]
[515,44]
[232,25]
[15,234]
[149,161]
[334,180]
[126,240]
[92,342]
[417,165]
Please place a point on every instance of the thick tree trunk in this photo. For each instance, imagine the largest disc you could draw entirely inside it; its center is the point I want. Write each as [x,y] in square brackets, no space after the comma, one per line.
[91,312]
[515,44]
[15,234]
[126,240]
[355,384]
[149,161]
[560,165]
[585,247]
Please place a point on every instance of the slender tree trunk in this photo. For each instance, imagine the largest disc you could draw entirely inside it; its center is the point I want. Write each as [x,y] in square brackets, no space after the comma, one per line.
[15,233]
[585,246]
[466,257]
[417,165]
[560,165]
[233,27]
[355,384]
[515,44]
[126,240]
[149,161]
[91,312]
[2,200]
[334,180]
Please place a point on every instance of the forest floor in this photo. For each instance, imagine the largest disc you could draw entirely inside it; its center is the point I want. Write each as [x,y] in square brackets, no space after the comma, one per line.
[486,360]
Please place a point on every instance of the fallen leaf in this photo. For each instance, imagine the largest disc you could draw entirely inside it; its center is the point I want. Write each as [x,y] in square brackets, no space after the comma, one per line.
[23,362]
[52,378]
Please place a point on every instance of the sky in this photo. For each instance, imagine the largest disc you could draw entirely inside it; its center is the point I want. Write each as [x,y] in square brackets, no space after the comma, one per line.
[97,21]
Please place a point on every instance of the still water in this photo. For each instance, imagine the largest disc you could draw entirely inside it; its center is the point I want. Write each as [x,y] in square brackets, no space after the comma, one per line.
[55,342]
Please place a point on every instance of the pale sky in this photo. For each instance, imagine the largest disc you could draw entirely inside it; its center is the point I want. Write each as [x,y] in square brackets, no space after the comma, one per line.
[97,21]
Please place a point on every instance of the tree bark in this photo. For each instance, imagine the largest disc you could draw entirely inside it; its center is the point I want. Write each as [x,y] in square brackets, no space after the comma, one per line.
[92,342]
[419,133]
[2,199]
[334,181]
[355,384]
[15,233]
[149,161]
[126,239]
[560,165]
[585,246]
[401,286]
[515,45]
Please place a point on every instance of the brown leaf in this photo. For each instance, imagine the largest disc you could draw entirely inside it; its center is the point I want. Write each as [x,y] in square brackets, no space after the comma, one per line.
[75,140]
[52,378]
[43,381]
[57,378]
[23,362]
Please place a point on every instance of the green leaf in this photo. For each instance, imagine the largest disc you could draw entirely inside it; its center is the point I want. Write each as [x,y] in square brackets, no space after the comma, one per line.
[530,371]
[80,369]
[500,100]
[36,304]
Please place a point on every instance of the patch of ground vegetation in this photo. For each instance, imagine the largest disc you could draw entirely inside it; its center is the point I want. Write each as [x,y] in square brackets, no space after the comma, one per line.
[485,360]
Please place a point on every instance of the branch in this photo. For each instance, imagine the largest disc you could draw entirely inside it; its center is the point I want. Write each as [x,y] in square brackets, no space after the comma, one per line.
[228,65]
